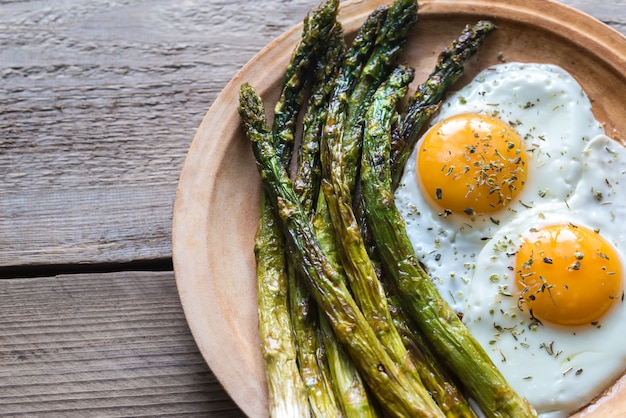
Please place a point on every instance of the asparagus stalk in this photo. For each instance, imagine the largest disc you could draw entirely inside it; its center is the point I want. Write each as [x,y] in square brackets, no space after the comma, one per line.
[389,44]
[349,386]
[365,66]
[287,394]
[357,58]
[286,391]
[308,172]
[316,29]
[380,117]
[425,100]
[367,290]
[385,34]
[358,54]
[311,352]
[438,382]
[373,52]
[337,111]
[375,48]
[354,396]
[351,390]
[325,285]
[444,331]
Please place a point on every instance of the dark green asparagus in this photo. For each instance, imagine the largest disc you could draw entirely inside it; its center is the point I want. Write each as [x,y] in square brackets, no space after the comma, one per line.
[328,290]
[349,386]
[374,58]
[364,284]
[357,58]
[351,96]
[425,100]
[287,394]
[389,45]
[308,172]
[317,28]
[380,117]
[358,54]
[337,110]
[311,352]
[436,379]
[444,331]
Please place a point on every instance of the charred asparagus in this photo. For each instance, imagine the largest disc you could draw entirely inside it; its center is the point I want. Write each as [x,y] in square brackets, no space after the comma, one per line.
[330,293]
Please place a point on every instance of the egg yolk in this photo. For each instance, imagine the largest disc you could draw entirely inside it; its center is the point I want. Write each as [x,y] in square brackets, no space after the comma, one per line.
[568,275]
[471,163]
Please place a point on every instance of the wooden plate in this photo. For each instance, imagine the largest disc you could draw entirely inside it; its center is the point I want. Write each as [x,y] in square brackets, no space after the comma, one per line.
[215,213]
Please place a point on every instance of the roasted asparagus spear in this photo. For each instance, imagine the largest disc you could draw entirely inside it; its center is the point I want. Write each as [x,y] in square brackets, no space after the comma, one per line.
[389,44]
[287,394]
[286,390]
[437,380]
[379,118]
[383,376]
[437,322]
[349,386]
[364,284]
[425,100]
[311,352]
[317,28]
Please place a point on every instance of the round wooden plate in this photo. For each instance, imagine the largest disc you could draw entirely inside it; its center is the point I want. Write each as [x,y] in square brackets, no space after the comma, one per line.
[216,209]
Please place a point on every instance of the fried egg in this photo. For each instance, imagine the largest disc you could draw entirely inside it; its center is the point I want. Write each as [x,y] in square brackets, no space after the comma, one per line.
[514,181]
[509,140]
[547,297]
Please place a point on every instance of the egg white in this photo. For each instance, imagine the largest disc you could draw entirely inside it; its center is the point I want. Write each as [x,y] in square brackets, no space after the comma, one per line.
[552,114]
[558,369]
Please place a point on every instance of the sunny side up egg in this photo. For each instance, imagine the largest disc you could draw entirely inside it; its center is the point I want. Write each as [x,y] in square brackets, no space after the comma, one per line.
[546,300]
[514,181]
[546,112]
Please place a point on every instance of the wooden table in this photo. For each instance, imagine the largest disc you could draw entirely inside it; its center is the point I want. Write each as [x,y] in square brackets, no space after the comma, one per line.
[99,102]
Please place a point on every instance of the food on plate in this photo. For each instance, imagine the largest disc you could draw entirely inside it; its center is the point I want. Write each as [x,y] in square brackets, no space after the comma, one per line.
[536,273]
[548,110]
[423,312]
[572,353]
[387,372]
[471,163]
[433,318]
[332,382]
[383,375]
[286,387]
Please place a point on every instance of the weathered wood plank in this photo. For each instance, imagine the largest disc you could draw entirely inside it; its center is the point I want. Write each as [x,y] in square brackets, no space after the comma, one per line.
[99,102]
[113,344]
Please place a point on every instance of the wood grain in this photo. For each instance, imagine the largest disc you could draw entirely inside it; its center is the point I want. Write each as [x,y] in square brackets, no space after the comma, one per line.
[102,344]
[99,102]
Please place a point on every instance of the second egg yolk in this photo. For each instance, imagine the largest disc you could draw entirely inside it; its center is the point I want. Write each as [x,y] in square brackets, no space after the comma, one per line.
[568,275]
[471,163]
